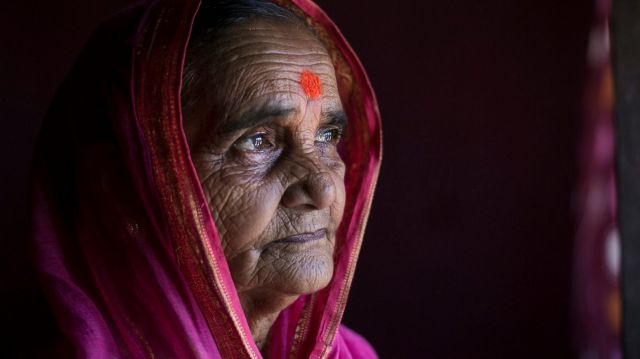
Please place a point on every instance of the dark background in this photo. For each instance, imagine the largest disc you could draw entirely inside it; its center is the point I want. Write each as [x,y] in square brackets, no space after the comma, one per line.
[468,249]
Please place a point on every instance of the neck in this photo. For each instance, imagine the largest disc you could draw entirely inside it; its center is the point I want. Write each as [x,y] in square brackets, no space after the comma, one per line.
[260,328]
[261,310]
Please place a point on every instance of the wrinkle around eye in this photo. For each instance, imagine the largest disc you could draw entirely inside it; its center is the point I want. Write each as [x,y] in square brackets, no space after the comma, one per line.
[205,161]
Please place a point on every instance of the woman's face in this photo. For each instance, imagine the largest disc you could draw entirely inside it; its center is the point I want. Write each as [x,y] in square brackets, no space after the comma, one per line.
[263,135]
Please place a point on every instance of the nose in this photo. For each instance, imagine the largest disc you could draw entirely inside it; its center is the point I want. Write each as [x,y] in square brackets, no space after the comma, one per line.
[315,190]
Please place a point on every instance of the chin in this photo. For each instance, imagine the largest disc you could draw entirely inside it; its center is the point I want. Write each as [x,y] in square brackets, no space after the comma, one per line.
[308,274]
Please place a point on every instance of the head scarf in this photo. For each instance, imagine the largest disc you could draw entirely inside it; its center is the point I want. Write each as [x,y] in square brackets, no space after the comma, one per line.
[125,243]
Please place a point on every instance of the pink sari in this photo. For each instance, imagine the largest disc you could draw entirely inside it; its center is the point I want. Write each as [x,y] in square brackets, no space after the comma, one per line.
[125,243]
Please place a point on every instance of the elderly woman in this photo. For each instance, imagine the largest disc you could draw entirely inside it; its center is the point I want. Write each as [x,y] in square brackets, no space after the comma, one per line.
[202,182]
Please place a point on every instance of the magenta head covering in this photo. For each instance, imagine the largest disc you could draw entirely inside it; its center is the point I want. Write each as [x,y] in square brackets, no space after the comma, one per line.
[126,246]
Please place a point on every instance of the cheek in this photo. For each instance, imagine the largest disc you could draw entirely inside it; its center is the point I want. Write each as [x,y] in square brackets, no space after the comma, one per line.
[337,209]
[337,169]
[244,200]
[243,204]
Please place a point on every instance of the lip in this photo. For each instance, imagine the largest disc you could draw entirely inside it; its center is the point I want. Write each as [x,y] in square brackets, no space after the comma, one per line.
[304,237]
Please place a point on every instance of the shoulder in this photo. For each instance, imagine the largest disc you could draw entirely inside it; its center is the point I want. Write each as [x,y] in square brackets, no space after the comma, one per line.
[351,345]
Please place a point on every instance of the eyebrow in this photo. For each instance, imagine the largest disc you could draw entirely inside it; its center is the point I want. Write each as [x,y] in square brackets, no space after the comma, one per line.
[256,117]
[335,118]
[264,114]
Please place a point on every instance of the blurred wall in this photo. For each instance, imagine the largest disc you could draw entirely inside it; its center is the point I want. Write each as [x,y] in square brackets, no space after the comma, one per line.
[468,249]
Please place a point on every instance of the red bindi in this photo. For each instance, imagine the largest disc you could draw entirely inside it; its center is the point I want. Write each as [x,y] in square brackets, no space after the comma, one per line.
[310,84]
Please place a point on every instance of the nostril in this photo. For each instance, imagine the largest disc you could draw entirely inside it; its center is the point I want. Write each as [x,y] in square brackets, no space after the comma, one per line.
[316,191]
[321,190]
[294,196]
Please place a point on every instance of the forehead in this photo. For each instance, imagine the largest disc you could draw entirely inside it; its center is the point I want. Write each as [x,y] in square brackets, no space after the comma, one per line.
[262,60]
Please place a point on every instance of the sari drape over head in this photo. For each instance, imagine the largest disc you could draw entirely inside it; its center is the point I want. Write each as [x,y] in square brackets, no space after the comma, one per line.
[125,243]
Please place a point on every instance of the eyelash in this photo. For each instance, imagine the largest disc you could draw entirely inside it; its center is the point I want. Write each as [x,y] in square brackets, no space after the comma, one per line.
[335,138]
[249,141]
[263,140]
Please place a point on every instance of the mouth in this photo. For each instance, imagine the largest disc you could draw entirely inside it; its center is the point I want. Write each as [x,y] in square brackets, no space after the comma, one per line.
[304,237]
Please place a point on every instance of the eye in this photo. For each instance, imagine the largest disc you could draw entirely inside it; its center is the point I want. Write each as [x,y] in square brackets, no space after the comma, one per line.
[328,135]
[255,143]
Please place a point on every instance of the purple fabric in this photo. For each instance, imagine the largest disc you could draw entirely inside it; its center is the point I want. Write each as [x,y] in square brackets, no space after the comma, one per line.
[597,247]
[125,243]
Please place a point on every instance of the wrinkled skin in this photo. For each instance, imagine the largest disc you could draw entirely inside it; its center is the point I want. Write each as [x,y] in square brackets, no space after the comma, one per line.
[267,161]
